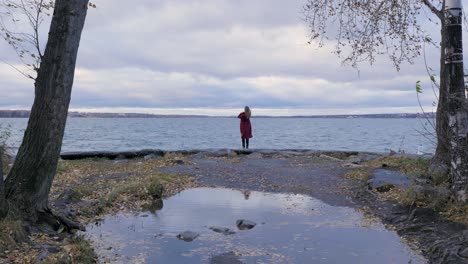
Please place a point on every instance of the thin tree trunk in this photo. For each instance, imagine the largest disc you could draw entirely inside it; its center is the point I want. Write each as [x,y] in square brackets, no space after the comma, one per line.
[457,105]
[3,204]
[440,163]
[29,181]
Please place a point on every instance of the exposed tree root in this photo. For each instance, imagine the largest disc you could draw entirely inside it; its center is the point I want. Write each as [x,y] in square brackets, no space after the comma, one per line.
[58,221]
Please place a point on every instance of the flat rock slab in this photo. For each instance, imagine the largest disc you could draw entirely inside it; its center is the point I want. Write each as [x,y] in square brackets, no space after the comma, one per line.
[384,180]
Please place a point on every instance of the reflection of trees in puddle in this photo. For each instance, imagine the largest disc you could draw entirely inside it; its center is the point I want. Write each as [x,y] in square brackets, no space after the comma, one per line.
[290,228]
[110,245]
[154,206]
[260,255]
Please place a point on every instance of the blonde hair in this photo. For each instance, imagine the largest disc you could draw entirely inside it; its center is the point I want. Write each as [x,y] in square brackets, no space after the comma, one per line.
[247,111]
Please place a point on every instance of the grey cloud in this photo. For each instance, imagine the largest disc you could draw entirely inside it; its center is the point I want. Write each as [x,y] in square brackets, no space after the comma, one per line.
[219,53]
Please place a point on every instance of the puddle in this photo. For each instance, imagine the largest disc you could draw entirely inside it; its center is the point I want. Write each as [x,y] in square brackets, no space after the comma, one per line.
[290,229]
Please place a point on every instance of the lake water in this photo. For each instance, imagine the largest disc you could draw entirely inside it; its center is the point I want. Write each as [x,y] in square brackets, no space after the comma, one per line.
[360,134]
[289,229]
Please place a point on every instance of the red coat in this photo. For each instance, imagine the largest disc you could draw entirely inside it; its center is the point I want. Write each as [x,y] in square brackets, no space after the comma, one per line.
[245,126]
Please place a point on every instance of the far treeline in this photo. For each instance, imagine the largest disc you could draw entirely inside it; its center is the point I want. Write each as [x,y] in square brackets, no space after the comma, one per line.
[26,113]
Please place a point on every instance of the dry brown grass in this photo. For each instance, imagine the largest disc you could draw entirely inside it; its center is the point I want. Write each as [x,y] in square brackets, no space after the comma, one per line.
[361,174]
[417,167]
[14,246]
[77,250]
[109,187]
[405,165]
[438,200]
[105,187]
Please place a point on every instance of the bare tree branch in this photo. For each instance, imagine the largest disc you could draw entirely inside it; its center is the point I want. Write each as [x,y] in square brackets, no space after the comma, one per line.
[433,9]
[18,70]
[363,30]
[15,16]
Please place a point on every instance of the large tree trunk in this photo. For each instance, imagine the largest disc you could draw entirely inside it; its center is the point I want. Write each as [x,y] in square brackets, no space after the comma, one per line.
[29,181]
[457,105]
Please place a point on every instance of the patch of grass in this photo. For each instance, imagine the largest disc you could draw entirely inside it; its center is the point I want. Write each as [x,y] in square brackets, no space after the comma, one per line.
[456,212]
[361,174]
[133,188]
[165,177]
[155,188]
[142,189]
[79,250]
[149,187]
[63,166]
[436,197]
[86,252]
[107,187]
[417,167]
[83,190]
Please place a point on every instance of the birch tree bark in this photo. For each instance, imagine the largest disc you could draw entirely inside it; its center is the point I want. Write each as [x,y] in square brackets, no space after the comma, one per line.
[457,105]
[361,31]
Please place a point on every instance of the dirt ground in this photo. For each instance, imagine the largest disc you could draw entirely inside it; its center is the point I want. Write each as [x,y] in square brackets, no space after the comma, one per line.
[87,189]
[325,177]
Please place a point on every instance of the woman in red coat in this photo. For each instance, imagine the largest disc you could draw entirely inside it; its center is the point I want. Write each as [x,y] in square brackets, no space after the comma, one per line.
[245,126]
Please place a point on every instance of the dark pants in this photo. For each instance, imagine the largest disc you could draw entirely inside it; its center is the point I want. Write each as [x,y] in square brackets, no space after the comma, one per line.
[245,143]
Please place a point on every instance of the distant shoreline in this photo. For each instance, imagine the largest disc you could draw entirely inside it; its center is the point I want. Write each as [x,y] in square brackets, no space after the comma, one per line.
[25,114]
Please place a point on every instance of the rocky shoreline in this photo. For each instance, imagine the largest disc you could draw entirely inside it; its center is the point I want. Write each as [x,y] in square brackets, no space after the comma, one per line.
[205,152]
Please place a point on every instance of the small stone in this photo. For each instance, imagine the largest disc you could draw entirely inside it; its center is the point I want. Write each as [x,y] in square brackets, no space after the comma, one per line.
[222,230]
[354,160]
[120,157]
[121,161]
[352,165]
[385,188]
[53,250]
[150,156]
[187,236]
[243,224]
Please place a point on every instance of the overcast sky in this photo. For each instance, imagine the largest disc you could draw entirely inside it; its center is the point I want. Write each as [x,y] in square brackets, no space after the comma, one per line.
[215,56]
